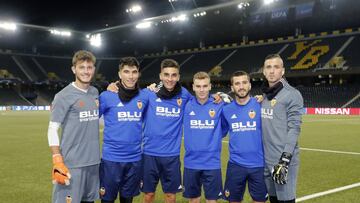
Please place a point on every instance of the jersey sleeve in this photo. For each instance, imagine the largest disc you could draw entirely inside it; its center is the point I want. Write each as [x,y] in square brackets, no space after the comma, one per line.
[59,109]
[294,112]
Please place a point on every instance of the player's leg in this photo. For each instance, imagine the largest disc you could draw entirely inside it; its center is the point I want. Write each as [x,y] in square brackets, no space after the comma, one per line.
[170,177]
[150,177]
[257,186]
[91,183]
[192,185]
[131,181]
[287,193]
[235,183]
[212,183]
[270,184]
[110,180]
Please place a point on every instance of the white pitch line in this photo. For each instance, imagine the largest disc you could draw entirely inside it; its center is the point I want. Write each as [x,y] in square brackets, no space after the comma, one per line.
[320,150]
[329,151]
[339,189]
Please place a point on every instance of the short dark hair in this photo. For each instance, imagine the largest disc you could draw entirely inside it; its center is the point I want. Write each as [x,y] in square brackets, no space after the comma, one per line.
[237,74]
[272,56]
[169,63]
[129,61]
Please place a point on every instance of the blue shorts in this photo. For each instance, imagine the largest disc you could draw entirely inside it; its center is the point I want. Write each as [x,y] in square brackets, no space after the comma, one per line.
[167,169]
[236,177]
[210,179]
[119,178]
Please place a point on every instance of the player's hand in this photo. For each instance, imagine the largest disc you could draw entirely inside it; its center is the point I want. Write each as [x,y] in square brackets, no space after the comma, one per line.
[60,173]
[112,87]
[259,98]
[280,171]
[152,87]
[221,96]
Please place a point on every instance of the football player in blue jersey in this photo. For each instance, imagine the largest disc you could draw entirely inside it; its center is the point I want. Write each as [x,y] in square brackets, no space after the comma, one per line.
[246,162]
[120,168]
[203,133]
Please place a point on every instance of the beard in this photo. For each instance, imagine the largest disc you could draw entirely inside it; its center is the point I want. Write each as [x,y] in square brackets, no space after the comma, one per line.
[240,96]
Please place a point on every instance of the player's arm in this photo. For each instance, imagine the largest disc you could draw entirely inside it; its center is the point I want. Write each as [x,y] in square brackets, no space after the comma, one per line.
[60,173]
[294,112]
[60,107]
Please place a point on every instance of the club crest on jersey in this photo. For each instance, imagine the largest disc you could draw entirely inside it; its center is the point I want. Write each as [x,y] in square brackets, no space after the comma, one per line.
[212,113]
[68,199]
[179,101]
[102,191]
[97,102]
[227,193]
[139,104]
[252,114]
[81,103]
[273,102]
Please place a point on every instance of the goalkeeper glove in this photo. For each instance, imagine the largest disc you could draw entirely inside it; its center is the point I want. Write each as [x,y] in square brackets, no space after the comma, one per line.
[60,173]
[280,171]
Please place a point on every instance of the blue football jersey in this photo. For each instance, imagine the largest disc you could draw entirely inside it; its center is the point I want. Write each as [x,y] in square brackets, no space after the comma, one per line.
[203,133]
[245,138]
[163,124]
[123,126]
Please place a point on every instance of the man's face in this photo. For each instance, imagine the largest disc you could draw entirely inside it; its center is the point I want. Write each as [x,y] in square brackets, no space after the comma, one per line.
[129,75]
[241,86]
[273,70]
[202,88]
[169,76]
[84,71]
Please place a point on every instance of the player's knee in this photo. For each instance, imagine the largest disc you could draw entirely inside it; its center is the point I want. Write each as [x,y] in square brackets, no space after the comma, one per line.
[170,197]
[149,196]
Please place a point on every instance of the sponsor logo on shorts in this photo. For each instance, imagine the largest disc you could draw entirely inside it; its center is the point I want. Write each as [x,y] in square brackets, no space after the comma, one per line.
[227,193]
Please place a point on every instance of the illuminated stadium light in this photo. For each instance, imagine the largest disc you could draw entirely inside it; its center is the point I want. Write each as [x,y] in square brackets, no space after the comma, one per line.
[143,25]
[199,14]
[179,18]
[172,1]
[134,9]
[60,33]
[8,26]
[243,5]
[267,2]
[95,40]
[87,36]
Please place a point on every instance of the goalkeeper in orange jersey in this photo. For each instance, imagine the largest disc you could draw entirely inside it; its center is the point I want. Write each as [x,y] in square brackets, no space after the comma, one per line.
[76,155]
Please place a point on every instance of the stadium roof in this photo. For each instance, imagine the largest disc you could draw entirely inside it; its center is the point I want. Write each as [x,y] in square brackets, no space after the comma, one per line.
[224,22]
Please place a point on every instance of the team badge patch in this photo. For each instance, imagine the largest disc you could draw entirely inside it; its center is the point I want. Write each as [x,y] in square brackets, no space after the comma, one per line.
[252,114]
[139,104]
[81,103]
[212,113]
[102,191]
[179,101]
[227,193]
[68,199]
[97,102]
[273,102]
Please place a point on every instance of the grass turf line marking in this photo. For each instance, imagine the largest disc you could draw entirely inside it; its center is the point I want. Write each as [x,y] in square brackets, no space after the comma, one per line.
[320,150]
[319,194]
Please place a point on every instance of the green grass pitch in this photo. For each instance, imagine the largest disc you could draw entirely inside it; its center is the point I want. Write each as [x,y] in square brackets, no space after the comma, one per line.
[26,162]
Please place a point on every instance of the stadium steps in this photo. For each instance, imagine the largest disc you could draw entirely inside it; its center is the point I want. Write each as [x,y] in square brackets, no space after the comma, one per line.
[351,100]
[24,68]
